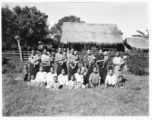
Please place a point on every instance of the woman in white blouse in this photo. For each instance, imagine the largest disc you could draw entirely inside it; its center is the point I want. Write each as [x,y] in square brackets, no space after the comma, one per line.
[63,79]
[46,60]
[117,64]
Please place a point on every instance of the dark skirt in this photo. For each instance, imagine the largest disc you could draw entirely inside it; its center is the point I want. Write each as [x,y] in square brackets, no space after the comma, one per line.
[60,67]
[64,66]
[86,80]
[33,71]
[103,73]
[46,68]
[71,72]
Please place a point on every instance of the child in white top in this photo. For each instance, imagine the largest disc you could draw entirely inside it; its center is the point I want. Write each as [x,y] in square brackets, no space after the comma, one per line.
[55,83]
[110,79]
[79,79]
[41,77]
[63,79]
[50,77]
[121,81]
[72,83]
[32,81]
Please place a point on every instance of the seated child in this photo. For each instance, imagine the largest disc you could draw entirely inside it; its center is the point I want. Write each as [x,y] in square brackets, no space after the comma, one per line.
[41,77]
[121,82]
[84,73]
[72,83]
[110,79]
[63,79]
[55,83]
[25,73]
[94,78]
[50,78]
[79,79]
[32,81]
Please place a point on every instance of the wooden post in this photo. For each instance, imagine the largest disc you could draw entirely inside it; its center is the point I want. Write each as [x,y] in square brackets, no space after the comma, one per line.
[19,47]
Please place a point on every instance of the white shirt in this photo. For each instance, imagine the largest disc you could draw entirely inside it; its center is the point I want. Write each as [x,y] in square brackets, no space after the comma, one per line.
[111,80]
[49,77]
[41,77]
[32,81]
[117,60]
[79,77]
[63,79]
[71,83]
[45,57]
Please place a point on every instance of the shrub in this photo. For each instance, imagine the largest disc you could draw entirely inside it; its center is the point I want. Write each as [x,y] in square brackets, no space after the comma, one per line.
[11,66]
[138,62]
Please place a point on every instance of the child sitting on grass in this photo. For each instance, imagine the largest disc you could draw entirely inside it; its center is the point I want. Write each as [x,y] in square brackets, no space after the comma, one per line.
[25,73]
[41,77]
[63,79]
[79,79]
[55,83]
[85,77]
[32,81]
[94,78]
[110,79]
[50,77]
[120,82]
[72,83]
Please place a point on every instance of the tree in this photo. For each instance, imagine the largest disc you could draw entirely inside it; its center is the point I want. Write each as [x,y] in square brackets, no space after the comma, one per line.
[28,23]
[56,30]
[8,40]
[143,35]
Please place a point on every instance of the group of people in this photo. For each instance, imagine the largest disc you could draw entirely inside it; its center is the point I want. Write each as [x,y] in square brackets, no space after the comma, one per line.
[62,69]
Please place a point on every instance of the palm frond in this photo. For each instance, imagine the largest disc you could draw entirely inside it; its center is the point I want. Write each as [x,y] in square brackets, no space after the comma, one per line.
[141,33]
[137,35]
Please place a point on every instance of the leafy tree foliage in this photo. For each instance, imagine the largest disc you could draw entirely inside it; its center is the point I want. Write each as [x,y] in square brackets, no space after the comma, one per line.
[56,30]
[28,23]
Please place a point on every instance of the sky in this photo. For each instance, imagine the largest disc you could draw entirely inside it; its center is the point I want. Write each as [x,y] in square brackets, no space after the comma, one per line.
[129,17]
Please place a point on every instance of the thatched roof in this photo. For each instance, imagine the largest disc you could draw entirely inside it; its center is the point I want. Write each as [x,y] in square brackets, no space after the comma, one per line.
[138,43]
[91,33]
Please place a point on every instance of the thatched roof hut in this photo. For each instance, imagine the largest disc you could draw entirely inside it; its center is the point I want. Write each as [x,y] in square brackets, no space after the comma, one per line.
[84,33]
[137,43]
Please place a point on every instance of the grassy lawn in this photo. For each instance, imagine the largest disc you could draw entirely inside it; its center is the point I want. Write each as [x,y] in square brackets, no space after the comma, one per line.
[22,100]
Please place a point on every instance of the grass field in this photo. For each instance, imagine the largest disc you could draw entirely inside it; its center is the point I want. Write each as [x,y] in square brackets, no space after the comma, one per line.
[22,100]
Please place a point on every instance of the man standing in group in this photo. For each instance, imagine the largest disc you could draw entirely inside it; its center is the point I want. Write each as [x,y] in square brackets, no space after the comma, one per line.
[101,69]
[88,59]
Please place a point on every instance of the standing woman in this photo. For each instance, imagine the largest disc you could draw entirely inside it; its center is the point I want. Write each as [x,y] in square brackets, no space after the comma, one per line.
[70,63]
[34,63]
[100,63]
[60,60]
[117,65]
[46,60]
[88,59]
[64,65]
[76,60]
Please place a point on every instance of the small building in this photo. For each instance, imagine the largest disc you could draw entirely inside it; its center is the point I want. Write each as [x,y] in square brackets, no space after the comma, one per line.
[85,34]
[133,43]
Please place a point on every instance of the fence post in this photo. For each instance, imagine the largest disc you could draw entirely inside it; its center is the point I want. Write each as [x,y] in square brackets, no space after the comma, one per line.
[20,51]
